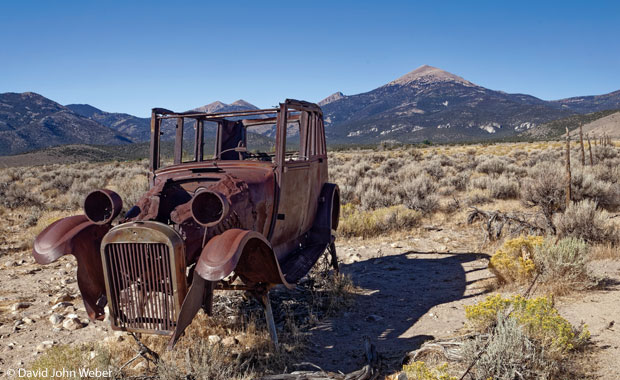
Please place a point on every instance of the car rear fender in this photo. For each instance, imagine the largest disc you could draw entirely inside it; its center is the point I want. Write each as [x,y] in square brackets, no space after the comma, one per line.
[77,236]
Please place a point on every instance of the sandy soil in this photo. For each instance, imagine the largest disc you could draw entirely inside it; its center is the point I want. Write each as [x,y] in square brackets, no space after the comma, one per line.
[413,289]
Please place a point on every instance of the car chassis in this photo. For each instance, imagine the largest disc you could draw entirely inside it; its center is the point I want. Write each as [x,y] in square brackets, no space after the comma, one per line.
[240,220]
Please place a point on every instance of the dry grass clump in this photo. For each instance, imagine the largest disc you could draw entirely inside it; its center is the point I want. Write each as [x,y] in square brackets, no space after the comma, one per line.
[419,370]
[585,221]
[355,222]
[67,360]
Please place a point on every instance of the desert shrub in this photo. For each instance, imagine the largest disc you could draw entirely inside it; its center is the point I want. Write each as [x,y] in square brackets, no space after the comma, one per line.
[375,192]
[608,171]
[510,354]
[538,317]
[604,152]
[356,222]
[481,183]
[563,264]
[434,169]
[459,180]
[419,194]
[586,186]
[514,261]
[492,165]
[516,170]
[503,187]
[477,197]
[544,187]
[585,221]
[419,370]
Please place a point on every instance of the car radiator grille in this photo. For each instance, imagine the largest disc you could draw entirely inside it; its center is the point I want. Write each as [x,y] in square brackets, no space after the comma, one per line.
[141,287]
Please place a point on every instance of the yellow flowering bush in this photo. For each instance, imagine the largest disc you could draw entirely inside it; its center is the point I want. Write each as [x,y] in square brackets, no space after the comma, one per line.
[514,261]
[539,318]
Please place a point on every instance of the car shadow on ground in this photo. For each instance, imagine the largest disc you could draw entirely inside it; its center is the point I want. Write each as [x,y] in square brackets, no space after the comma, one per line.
[398,291]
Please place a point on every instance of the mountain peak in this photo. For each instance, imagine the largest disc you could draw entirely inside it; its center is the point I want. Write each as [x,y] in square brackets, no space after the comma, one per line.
[332,98]
[243,103]
[429,74]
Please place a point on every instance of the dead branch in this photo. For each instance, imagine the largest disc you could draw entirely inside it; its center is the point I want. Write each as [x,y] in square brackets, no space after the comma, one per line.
[494,222]
[369,372]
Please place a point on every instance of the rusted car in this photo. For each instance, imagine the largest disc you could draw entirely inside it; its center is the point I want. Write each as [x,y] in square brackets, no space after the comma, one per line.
[236,218]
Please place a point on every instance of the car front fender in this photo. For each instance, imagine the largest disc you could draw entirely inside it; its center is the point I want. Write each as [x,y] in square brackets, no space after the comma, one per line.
[247,253]
[77,236]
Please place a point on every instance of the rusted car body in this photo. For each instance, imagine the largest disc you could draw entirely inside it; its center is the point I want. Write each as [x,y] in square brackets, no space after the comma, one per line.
[241,219]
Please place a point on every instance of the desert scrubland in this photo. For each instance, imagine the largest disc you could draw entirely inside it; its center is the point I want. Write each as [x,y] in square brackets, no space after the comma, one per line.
[474,248]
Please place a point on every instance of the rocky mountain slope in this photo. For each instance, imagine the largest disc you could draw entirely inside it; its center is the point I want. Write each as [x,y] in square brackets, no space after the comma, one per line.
[586,104]
[30,121]
[557,128]
[138,128]
[429,103]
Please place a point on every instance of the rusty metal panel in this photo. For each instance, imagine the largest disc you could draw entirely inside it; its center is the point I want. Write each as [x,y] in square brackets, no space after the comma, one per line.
[144,268]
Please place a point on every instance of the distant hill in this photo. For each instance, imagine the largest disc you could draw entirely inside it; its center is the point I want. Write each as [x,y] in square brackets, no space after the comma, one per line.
[138,128]
[432,104]
[556,128]
[605,126]
[593,103]
[30,121]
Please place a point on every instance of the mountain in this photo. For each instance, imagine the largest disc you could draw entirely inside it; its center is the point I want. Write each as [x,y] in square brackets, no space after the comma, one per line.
[217,106]
[430,103]
[30,121]
[605,126]
[557,128]
[138,128]
[593,103]
[332,98]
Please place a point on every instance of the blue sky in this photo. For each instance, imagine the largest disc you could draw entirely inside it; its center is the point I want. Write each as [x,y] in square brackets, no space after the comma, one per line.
[130,56]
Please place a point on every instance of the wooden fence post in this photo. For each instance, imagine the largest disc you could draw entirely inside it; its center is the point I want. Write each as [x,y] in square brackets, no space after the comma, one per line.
[590,149]
[583,152]
[568,175]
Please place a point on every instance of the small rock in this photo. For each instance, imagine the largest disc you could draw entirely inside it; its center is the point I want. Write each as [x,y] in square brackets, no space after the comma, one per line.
[21,262]
[63,297]
[395,245]
[45,345]
[213,339]
[56,319]
[72,324]
[20,305]
[373,318]
[61,305]
[28,321]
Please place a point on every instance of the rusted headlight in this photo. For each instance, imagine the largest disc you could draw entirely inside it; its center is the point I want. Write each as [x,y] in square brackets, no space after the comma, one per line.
[209,207]
[102,206]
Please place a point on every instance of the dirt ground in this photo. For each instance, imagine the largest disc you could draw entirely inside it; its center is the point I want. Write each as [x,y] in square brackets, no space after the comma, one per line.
[413,288]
